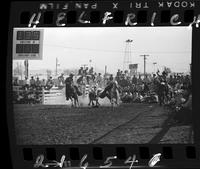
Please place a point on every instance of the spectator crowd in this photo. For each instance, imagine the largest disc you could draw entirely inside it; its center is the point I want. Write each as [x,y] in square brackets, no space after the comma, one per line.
[167,89]
[172,90]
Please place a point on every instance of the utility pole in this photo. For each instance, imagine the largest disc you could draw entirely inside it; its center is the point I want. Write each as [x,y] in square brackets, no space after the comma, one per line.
[154,63]
[21,72]
[144,63]
[26,68]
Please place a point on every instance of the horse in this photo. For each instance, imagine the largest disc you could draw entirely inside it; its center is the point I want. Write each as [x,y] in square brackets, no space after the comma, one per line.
[72,92]
[80,80]
[94,96]
[112,93]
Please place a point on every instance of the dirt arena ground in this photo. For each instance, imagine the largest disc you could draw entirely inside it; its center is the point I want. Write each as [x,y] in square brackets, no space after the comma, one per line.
[125,124]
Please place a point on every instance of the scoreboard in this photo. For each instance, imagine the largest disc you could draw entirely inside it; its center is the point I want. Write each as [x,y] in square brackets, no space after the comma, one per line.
[27,43]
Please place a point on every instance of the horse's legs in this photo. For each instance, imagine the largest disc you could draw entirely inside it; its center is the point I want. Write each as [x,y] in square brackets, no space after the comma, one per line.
[92,103]
[77,102]
[112,102]
[72,105]
[117,99]
[163,99]
[97,103]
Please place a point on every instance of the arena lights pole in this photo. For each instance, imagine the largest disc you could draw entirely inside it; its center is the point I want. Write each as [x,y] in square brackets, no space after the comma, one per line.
[127,56]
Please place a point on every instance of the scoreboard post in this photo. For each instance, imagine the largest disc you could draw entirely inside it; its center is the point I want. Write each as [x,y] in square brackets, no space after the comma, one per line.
[26,68]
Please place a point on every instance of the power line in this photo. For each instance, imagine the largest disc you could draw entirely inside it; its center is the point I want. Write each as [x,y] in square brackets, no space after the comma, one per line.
[117,51]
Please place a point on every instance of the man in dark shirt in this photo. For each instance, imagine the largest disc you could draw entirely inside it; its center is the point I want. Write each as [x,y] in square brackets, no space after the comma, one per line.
[69,80]
[37,83]
[80,71]
[118,73]
[91,71]
[68,85]
[85,71]
[134,80]
[32,82]
[49,83]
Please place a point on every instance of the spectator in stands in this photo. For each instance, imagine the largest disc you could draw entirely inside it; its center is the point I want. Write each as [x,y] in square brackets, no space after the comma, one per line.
[91,71]
[85,71]
[49,83]
[118,73]
[94,75]
[184,115]
[61,80]
[171,80]
[43,83]
[134,80]
[32,82]
[146,79]
[80,71]
[187,80]
[178,85]
[37,83]
[99,79]
[88,78]
[139,80]
[126,74]
[146,88]
[26,84]
[16,82]
[121,72]
[111,78]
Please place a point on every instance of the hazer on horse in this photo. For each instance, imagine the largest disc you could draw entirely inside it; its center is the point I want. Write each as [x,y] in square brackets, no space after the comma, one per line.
[111,92]
[71,91]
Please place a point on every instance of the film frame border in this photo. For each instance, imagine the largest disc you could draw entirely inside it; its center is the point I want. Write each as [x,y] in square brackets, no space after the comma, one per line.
[174,159]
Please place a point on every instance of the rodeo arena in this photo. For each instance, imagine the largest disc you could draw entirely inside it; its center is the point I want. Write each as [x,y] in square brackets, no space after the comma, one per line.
[109,108]
[90,104]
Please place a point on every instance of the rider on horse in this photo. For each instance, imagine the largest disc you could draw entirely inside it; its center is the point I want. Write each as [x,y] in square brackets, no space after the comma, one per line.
[69,82]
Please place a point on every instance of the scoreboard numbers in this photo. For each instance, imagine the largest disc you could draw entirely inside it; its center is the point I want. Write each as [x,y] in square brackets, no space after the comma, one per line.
[27,44]
[36,35]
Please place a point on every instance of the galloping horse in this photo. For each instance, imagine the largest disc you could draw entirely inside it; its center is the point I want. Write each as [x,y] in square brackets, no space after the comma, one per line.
[112,93]
[72,93]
